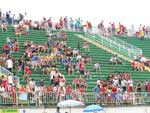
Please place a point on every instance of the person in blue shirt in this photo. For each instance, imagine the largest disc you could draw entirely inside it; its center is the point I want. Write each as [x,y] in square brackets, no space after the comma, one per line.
[71,22]
[34,60]
[97,93]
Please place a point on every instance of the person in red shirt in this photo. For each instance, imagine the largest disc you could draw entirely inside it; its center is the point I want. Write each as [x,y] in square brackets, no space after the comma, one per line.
[102,94]
[148,87]
[86,46]
[144,29]
[4,56]
[82,96]
[16,46]
[27,72]
[134,65]
[68,92]
[9,89]
[4,82]
[61,22]
[6,48]
[49,90]
[14,92]
[22,89]
[36,47]
[81,68]
[50,23]
[148,62]
[75,81]
[113,93]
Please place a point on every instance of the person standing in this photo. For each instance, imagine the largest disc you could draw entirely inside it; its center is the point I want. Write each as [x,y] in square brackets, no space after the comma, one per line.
[9,64]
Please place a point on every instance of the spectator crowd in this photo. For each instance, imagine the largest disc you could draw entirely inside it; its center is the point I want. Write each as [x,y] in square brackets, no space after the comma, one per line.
[45,57]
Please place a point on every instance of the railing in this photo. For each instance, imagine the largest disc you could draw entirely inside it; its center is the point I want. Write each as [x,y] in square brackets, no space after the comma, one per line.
[115,44]
[4,71]
[109,41]
[38,98]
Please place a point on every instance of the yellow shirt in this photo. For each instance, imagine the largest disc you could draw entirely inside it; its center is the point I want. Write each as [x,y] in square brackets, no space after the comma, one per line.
[118,29]
[142,33]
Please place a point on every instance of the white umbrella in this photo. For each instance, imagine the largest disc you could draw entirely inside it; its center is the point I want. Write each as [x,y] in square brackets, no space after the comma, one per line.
[69,104]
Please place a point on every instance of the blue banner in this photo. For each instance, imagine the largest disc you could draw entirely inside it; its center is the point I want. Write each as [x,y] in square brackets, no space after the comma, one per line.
[23,96]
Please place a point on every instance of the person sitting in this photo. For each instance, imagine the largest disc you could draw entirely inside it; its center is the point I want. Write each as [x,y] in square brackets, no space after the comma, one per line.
[17,32]
[142,59]
[4,27]
[70,69]
[75,52]
[58,26]
[87,74]
[148,62]
[86,46]
[6,48]
[134,65]
[47,70]
[115,60]
[16,45]
[141,66]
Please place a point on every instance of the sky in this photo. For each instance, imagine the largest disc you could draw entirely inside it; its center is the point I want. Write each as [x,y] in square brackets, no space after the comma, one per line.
[127,12]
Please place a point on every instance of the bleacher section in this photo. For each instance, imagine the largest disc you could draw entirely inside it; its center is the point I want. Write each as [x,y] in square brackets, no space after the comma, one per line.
[143,44]
[103,57]
[35,36]
[96,54]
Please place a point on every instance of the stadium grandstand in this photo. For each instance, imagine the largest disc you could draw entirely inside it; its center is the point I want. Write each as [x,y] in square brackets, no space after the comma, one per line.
[43,63]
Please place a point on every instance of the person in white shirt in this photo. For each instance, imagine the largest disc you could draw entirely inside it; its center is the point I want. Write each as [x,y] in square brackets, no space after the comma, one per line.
[10,79]
[97,67]
[32,84]
[15,18]
[143,59]
[2,91]
[75,52]
[9,63]
[78,57]
[123,84]
[53,72]
[98,82]
[115,81]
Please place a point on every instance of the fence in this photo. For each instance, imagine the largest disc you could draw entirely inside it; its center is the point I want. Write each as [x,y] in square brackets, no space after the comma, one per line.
[38,99]
[115,44]
[4,71]
[110,41]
